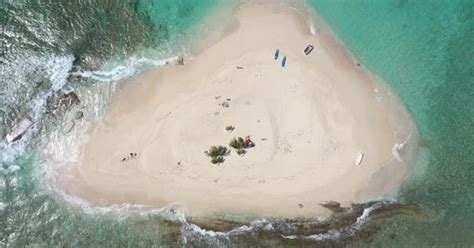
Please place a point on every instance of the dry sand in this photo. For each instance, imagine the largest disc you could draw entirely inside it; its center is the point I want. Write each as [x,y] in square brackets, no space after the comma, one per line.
[309,121]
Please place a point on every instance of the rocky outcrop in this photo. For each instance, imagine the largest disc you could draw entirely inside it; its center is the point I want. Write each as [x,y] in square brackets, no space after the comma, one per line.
[62,101]
[19,129]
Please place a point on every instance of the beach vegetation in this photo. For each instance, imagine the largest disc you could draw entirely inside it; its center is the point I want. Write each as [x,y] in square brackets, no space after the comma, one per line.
[229,128]
[217,154]
[241,152]
[239,145]
[217,151]
[217,160]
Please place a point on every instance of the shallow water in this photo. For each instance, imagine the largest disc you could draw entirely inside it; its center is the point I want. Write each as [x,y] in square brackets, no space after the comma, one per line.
[422,49]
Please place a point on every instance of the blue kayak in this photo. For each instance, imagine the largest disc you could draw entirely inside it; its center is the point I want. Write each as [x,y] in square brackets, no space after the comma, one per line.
[283,62]
[277,52]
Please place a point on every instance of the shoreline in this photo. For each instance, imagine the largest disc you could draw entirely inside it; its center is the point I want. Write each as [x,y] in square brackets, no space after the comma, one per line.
[140,92]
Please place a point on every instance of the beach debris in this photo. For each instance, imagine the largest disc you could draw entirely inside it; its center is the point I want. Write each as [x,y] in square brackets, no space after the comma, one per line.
[283,62]
[216,113]
[239,67]
[230,129]
[19,129]
[179,163]
[358,64]
[249,142]
[300,205]
[277,53]
[263,139]
[360,156]
[217,97]
[217,154]
[308,49]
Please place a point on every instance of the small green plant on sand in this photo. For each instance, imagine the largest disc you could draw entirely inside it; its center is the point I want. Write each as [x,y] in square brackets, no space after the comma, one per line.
[217,160]
[238,144]
[241,152]
[217,154]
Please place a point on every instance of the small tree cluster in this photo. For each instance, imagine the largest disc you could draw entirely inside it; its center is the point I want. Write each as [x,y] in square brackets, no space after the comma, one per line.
[239,145]
[217,154]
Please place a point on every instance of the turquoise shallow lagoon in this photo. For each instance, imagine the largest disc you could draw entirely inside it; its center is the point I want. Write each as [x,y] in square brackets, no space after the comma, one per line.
[423,49]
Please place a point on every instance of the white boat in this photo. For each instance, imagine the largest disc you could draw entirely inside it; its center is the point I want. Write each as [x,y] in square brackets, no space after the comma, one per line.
[360,156]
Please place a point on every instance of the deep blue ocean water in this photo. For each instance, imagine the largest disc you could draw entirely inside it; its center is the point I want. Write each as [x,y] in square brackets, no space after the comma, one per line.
[422,49]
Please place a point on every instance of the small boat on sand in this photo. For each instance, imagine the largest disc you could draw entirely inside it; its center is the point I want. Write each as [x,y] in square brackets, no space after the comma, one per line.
[360,156]
[308,49]
[283,62]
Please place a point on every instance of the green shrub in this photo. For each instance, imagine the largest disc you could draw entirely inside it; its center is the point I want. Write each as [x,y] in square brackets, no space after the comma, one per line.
[241,152]
[217,160]
[217,151]
[237,143]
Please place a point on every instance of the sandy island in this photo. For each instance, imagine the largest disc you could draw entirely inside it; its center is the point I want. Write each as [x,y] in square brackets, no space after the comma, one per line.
[309,121]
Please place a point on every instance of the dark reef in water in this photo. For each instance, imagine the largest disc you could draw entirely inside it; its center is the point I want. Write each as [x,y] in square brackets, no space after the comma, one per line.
[344,225]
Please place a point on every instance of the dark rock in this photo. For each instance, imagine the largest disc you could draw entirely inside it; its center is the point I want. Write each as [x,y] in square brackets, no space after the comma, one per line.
[74,78]
[426,143]
[79,115]
[180,61]
[334,206]
[62,101]
[19,129]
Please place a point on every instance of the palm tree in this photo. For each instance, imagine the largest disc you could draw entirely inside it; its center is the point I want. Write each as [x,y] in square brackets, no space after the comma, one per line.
[238,144]
[216,153]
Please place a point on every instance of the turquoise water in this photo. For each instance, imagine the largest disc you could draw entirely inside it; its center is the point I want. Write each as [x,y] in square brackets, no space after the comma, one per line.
[423,50]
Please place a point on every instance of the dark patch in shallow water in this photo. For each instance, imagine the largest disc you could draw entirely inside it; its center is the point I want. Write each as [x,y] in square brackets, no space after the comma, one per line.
[342,227]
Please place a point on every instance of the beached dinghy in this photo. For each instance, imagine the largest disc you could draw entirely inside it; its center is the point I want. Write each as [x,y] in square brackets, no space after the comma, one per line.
[360,156]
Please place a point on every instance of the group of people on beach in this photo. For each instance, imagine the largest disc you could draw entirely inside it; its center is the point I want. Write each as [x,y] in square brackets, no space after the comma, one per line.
[132,155]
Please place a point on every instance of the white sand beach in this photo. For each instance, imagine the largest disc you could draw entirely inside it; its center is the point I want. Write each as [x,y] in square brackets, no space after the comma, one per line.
[309,121]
